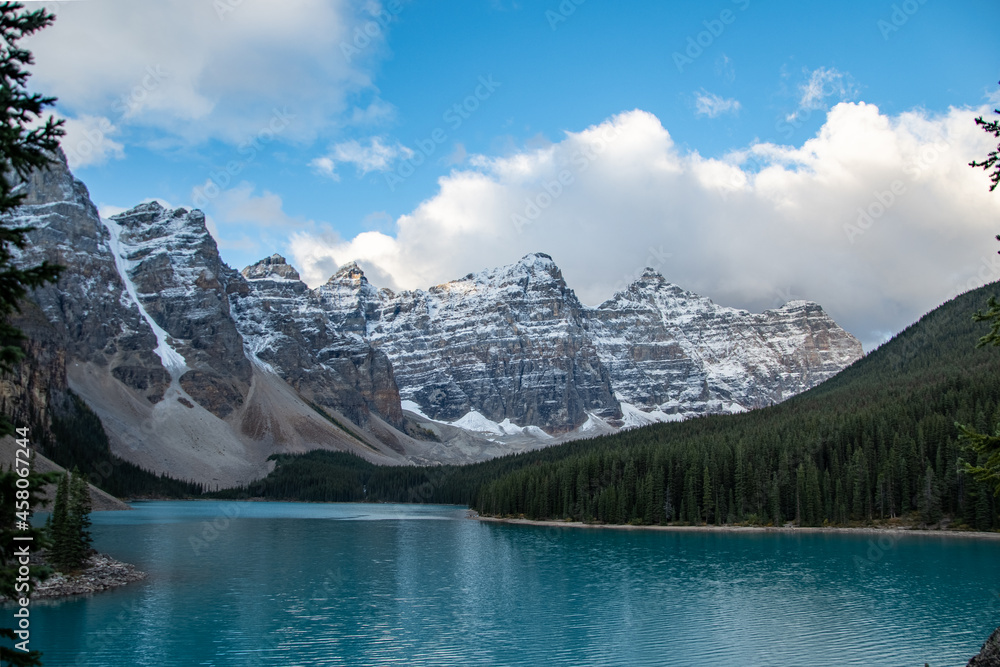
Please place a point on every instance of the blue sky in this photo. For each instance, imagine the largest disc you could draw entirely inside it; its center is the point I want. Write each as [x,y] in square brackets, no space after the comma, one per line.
[296,133]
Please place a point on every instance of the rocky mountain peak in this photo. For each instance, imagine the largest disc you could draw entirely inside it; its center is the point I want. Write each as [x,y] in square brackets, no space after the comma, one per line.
[506,343]
[346,296]
[535,272]
[173,268]
[538,260]
[677,353]
[537,264]
[54,184]
[349,272]
[273,267]
[800,304]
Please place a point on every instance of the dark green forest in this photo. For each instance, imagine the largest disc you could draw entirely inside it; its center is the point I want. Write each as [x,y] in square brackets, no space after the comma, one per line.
[877,442]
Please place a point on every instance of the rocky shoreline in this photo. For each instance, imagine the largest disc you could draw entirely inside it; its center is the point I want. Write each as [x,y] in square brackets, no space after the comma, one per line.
[989,655]
[101,573]
[895,531]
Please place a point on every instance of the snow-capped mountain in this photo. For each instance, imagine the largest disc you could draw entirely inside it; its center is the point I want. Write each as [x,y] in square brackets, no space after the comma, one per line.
[171,268]
[508,343]
[202,372]
[140,325]
[514,343]
[673,352]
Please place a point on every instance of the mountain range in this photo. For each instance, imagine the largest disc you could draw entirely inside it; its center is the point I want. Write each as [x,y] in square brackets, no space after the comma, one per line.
[203,372]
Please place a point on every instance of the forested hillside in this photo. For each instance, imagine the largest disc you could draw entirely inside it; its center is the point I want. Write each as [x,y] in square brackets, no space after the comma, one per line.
[875,442]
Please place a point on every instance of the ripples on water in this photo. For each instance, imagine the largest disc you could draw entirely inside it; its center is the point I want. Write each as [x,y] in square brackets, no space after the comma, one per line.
[298,584]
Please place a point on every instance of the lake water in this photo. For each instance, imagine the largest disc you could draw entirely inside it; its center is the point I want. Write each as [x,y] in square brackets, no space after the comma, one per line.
[347,584]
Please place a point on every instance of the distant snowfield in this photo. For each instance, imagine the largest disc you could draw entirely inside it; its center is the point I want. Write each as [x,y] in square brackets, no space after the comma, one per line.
[477,423]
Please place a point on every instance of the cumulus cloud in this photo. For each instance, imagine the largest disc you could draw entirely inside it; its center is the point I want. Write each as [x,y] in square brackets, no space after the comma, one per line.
[241,219]
[712,105]
[241,205]
[212,70]
[877,218]
[88,141]
[375,156]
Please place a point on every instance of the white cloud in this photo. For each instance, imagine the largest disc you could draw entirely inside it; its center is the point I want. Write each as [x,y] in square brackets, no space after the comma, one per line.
[242,220]
[326,167]
[712,105]
[201,70]
[823,83]
[376,156]
[88,141]
[240,205]
[754,229]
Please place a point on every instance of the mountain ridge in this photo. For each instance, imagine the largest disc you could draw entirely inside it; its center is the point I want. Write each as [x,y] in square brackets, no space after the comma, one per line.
[733,360]
[201,371]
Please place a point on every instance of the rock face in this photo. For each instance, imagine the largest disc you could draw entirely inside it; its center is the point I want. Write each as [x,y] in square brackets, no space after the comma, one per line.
[172,268]
[35,391]
[509,343]
[515,343]
[94,318]
[140,326]
[989,655]
[677,353]
[285,327]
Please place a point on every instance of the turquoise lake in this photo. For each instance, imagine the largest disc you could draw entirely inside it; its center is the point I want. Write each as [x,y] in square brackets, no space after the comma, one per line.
[349,584]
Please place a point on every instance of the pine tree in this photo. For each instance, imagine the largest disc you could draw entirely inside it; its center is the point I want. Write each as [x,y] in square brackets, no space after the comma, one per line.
[60,554]
[707,504]
[986,447]
[930,499]
[79,513]
[21,150]
[993,157]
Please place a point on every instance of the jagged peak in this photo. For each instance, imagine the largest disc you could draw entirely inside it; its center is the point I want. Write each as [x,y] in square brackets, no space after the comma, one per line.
[51,183]
[796,304]
[348,272]
[145,207]
[536,262]
[271,267]
[153,210]
[537,257]
[651,278]
[153,220]
[799,305]
[533,264]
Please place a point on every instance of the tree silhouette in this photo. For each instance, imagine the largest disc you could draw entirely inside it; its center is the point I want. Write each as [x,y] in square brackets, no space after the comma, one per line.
[986,447]
[24,146]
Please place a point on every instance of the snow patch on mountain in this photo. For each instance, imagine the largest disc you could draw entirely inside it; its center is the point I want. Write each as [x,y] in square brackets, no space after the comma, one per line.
[633,417]
[594,426]
[414,407]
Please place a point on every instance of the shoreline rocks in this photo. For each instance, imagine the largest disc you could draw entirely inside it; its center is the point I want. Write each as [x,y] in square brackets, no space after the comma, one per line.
[989,655]
[101,574]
